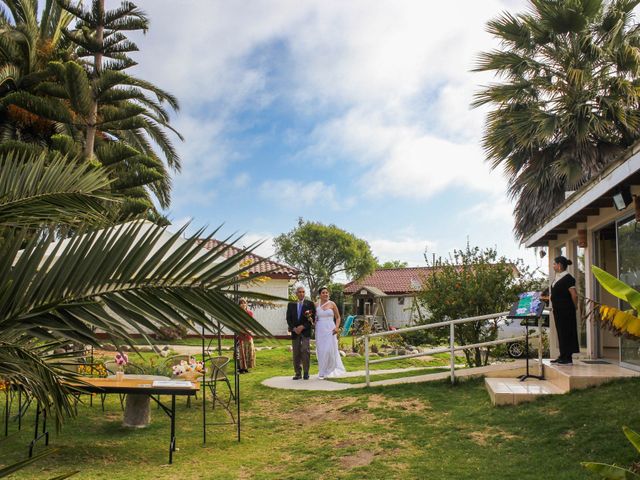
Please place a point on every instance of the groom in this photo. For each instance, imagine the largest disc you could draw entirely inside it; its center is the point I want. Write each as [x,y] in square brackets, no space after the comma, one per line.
[298,314]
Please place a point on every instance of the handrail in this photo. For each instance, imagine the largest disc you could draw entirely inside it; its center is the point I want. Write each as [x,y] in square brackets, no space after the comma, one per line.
[439,324]
[451,348]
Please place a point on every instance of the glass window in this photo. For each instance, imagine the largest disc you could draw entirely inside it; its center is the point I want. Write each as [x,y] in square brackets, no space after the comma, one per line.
[629,272]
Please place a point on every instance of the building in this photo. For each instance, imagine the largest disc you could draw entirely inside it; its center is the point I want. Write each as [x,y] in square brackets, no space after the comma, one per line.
[599,225]
[276,279]
[388,295]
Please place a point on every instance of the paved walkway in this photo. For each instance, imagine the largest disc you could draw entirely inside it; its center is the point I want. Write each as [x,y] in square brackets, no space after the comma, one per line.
[314,383]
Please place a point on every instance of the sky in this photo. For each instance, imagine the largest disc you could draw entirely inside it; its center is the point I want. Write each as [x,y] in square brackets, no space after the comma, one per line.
[353,113]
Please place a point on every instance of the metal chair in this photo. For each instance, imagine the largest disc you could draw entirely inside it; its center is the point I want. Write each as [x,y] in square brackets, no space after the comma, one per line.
[218,373]
[174,360]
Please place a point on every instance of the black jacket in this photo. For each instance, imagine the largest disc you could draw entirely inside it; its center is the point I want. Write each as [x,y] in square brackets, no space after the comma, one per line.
[293,320]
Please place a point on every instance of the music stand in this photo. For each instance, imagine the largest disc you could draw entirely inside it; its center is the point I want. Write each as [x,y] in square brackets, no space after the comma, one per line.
[528,307]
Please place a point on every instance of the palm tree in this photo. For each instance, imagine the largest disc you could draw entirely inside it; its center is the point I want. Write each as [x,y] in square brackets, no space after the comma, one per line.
[57,91]
[567,103]
[128,277]
[27,45]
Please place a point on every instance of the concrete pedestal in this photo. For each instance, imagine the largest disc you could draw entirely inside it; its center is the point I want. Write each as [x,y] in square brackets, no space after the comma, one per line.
[137,411]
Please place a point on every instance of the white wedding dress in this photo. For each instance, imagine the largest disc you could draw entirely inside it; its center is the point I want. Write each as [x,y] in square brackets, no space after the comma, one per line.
[329,360]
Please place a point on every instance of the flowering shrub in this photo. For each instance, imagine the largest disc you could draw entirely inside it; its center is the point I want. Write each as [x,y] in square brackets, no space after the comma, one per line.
[97,370]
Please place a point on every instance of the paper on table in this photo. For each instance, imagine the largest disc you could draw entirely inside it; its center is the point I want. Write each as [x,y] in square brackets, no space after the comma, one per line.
[171,383]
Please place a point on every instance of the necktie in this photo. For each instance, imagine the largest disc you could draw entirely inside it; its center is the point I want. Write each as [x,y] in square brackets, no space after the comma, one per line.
[299,309]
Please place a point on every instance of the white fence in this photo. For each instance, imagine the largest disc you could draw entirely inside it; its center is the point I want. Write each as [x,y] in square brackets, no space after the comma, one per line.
[452,348]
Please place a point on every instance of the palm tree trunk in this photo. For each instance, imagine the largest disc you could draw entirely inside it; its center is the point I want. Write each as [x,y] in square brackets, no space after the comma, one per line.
[97,70]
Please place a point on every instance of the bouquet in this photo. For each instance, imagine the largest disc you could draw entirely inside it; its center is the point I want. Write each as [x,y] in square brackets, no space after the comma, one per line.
[310,317]
[190,370]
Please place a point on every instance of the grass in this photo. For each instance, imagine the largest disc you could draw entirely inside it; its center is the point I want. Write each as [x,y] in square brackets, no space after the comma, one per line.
[414,431]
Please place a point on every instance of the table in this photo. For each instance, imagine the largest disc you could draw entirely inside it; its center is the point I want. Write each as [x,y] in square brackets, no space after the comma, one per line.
[137,411]
[142,386]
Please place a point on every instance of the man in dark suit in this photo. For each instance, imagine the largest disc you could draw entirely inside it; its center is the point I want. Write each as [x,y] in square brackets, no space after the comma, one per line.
[299,315]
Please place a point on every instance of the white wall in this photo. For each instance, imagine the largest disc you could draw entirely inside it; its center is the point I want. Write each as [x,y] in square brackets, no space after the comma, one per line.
[273,319]
[398,315]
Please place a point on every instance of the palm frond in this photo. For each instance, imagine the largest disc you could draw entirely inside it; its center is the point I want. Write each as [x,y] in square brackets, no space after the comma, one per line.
[34,190]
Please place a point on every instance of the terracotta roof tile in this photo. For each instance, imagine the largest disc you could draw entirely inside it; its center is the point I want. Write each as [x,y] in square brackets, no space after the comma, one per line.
[275,269]
[392,280]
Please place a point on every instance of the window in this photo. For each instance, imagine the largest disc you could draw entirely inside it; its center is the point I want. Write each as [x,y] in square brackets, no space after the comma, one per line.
[400,300]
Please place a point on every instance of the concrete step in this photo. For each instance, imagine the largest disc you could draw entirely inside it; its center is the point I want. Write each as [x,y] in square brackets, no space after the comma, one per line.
[581,375]
[511,391]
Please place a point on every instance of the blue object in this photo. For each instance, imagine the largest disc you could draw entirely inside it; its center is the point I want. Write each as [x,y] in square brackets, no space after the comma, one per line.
[347,325]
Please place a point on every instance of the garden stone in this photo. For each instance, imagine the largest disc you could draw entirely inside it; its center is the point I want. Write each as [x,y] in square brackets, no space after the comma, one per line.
[353,354]
[164,353]
[342,353]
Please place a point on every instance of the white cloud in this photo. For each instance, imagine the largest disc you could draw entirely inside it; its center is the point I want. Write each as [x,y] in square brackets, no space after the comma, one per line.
[382,88]
[266,249]
[406,249]
[241,180]
[298,194]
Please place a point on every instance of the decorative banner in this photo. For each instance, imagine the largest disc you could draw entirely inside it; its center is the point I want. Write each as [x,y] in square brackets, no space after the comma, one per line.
[529,305]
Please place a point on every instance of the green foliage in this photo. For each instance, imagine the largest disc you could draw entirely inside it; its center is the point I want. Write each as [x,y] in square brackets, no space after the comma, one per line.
[337,296]
[392,264]
[613,472]
[566,103]
[322,251]
[37,189]
[473,282]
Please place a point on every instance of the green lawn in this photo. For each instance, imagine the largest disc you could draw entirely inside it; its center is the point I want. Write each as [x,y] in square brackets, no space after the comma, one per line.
[417,431]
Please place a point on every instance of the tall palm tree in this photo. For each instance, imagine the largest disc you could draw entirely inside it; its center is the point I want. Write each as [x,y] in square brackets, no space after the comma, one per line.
[133,277]
[567,101]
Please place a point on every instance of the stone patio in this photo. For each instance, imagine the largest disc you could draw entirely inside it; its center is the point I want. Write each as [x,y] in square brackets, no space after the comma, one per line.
[559,379]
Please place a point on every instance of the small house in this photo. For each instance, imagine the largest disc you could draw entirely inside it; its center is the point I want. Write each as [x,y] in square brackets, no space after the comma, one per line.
[388,296]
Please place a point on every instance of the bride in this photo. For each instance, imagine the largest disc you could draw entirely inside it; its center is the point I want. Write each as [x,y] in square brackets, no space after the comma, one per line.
[327,328]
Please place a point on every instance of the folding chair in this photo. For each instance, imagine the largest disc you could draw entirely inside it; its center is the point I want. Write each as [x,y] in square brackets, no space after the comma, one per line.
[218,374]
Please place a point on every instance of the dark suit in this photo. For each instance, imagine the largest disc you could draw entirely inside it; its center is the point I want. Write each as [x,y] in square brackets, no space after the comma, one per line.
[300,342]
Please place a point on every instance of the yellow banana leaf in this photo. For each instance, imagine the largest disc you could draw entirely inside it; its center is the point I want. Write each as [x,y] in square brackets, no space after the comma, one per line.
[617,287]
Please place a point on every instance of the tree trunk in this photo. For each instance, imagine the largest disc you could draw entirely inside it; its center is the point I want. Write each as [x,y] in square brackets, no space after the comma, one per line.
[97,70]
[137,411]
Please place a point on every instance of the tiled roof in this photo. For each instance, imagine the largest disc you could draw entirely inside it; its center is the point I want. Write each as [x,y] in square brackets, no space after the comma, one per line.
[274,269]
[392,280]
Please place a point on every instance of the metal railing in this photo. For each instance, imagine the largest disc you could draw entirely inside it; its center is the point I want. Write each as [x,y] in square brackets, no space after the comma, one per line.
[452,348]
